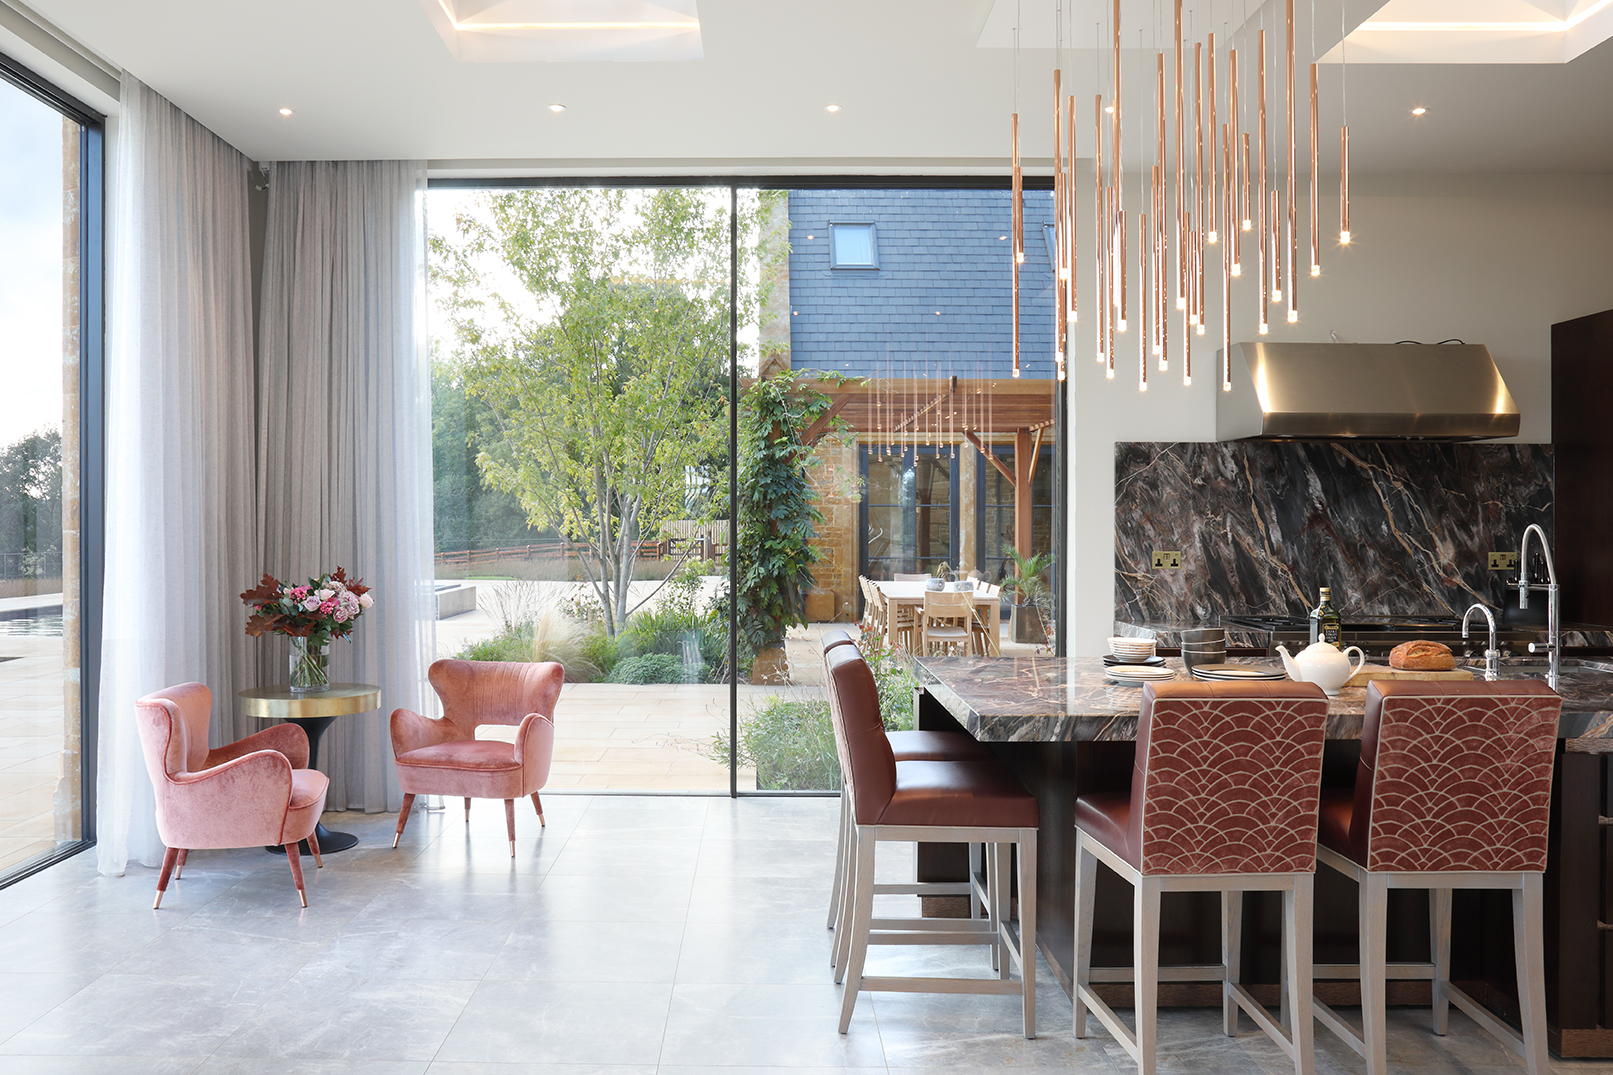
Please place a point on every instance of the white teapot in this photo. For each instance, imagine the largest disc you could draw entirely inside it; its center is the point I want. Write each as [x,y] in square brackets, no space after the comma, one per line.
[1321,663]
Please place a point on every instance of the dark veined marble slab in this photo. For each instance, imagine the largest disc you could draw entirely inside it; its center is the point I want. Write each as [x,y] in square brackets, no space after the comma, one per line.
[1393,528]
[1067,699]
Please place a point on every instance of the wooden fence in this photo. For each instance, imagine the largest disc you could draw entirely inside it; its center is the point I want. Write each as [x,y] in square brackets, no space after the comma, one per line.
[560,551]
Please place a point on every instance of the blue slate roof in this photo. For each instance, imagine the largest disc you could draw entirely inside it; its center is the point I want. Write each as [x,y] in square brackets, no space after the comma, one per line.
[939,303]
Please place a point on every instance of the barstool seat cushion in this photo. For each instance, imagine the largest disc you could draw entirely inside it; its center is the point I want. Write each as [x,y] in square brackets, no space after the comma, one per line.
[937,746]
[959,793]
[1106,817]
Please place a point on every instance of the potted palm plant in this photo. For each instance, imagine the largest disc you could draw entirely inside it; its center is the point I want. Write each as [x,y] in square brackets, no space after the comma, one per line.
[1031,595]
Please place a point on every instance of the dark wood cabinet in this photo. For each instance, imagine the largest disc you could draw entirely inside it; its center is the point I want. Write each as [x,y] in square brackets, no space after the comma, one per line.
[1582,436]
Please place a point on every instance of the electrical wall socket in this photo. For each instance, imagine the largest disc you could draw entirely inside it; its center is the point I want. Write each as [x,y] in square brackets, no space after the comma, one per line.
[1166,559]
[1503,561]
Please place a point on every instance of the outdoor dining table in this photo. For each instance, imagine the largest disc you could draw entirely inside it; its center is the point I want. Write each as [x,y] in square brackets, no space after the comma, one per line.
[900,595]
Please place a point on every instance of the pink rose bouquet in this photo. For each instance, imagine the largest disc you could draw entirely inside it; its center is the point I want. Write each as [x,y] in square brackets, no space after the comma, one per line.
[325,608]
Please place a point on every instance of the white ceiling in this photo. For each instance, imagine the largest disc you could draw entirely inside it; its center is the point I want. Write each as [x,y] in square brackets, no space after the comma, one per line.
[919,86]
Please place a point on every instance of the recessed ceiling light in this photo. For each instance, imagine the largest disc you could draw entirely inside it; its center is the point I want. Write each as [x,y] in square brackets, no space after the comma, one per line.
[285,111]
[557,108]
[1419,110]
[831,108]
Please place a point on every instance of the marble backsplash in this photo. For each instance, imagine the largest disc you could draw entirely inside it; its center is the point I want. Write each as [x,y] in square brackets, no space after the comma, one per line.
[1394,528]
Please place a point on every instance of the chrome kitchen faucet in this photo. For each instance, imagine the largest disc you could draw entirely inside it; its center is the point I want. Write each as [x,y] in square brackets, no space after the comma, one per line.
[1553,621]
[1491,671]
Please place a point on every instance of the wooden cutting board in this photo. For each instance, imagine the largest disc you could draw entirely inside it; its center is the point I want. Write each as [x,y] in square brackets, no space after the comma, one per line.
[1382,671]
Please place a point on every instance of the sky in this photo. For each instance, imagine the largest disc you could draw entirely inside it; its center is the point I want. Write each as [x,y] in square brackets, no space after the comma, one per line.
[30,265]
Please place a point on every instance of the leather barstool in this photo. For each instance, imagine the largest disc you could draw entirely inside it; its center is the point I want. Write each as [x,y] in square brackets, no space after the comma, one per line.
[916,745]
[1223,799]
[941,801]
[1453,790]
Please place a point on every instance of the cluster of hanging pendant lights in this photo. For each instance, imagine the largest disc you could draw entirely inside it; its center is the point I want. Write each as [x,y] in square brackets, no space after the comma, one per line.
[1212,205]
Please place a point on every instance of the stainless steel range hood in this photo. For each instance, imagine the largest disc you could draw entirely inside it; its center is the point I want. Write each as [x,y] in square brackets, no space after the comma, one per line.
[1307,391]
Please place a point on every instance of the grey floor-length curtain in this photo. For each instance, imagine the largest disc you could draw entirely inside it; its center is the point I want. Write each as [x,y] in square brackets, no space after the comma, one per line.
[344,450]
[180,480]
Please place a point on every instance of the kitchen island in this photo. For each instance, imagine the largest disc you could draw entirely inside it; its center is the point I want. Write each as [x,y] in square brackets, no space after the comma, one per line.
[1065,731]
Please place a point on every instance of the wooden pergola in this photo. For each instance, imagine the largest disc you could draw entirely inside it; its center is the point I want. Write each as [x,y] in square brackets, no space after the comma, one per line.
[978,411]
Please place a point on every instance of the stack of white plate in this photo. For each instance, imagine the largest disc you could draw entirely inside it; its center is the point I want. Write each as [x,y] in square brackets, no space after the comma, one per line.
[1237,673]
[1131,649]
[1138,674]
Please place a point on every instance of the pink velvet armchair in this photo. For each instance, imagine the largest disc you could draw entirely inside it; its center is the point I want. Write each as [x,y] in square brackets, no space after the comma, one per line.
[257,790]
[444,757]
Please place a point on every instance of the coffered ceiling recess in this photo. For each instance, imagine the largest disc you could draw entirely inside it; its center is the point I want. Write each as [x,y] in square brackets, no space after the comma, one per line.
[567,31]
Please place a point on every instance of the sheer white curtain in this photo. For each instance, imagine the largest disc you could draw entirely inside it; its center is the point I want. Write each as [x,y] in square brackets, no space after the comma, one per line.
[344,448]
[180,475]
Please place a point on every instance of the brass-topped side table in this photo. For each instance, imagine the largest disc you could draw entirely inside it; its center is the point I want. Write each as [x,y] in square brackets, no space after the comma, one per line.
[315,711]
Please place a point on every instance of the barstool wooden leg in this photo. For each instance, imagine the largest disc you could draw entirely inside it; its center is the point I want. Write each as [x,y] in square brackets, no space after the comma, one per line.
[999,889]
[1373,930]
[848,895]
[1145,958]
[840,869]
[1529,946]
[1086,878]
[861,918]
[1027,925]
[1231,957]
[1439,943]
[1298,903]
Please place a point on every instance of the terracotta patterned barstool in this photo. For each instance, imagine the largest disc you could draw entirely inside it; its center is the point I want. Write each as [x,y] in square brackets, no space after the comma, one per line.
[1223,799]
[916,745]
[941,801]
[1453,790]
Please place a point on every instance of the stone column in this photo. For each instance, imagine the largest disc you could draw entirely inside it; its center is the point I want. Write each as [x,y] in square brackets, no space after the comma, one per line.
[68,801]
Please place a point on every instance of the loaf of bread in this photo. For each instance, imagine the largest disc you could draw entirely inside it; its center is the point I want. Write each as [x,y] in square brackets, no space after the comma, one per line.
[1422,656]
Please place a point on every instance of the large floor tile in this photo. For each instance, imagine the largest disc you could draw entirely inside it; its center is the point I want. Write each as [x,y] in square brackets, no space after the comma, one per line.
[539,950]
[233,946]
[318,1017]
[767,1025]
[85,943]
[582,1023]
[144,1015]
[386,947]
[240,1065]
[101,1065]
[591,898]
[25,997]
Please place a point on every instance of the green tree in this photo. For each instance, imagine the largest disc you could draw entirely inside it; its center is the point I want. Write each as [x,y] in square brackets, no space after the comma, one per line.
[31,505]
[606,381]
[466,513]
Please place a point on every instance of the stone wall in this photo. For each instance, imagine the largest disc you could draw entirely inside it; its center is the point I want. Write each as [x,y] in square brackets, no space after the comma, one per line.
[835,480]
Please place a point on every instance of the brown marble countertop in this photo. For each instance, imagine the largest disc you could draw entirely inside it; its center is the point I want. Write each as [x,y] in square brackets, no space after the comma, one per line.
[1067,699]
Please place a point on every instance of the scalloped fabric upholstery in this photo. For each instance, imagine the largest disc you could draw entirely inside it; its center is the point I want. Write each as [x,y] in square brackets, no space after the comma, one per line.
[1453,776]
[1226,780]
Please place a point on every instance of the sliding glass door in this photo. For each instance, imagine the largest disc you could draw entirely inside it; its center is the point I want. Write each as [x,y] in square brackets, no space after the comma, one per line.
[50,175]
[680,430]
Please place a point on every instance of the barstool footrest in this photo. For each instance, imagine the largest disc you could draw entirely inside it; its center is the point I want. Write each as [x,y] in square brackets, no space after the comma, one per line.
[992,986]
[1330,1019]
[1106,1015]
[1257,1011]
[1481,1015]
[923,888]
[958,937]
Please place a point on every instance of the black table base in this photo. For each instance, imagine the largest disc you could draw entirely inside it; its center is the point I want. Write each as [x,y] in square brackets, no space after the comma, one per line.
[329,842]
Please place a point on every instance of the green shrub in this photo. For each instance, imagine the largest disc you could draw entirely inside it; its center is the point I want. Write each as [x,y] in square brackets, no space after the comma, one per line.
[647,668]
[790,741]
[599,649]
[514,645]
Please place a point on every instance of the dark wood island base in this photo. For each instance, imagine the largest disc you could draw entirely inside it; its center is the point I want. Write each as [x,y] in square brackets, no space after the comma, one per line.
[1086,746]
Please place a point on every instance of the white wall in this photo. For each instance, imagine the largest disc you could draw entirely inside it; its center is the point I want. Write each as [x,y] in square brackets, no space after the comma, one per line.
[1488,259]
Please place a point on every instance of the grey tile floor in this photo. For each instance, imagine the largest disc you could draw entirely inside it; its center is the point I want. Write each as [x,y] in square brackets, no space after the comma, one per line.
[633,936]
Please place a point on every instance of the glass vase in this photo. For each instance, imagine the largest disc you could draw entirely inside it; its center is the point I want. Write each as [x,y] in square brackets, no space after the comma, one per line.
[308,666]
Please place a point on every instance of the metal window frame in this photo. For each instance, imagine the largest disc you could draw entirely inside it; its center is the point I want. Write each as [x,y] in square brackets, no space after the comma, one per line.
[873,245]
[92,434]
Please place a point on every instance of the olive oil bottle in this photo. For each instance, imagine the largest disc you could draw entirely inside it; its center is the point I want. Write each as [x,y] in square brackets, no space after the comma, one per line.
[1325,623]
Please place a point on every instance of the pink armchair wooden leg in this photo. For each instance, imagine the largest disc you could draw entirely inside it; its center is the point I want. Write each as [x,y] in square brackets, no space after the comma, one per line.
[294,857]
[179,864]
[403,817]
[313,846]
[467,809]
[509,823]
[537,804]
[168,859]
